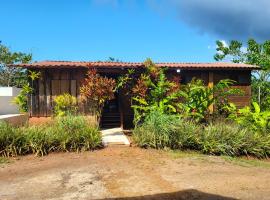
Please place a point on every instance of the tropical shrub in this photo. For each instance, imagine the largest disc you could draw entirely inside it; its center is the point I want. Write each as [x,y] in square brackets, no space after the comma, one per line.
[252,117]
[96,90]
[197,98]
[69,133]
[254,53]
[76,134]
[161,130]
[156,131]
[65,104]
[153,91]
[22,98]
[12,142]
[233,140]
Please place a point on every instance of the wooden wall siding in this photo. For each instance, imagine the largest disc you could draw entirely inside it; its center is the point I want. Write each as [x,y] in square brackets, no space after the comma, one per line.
[241,100]
[51,83]
[56,81]
[48,92]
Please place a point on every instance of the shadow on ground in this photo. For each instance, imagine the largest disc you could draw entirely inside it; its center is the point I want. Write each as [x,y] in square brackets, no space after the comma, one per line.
[181,195]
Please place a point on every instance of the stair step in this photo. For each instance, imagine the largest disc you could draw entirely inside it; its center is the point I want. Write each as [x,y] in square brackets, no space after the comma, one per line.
[107,115]
[110,117]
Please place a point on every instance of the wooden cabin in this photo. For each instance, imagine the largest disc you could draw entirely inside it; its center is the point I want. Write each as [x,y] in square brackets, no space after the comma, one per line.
[58,77]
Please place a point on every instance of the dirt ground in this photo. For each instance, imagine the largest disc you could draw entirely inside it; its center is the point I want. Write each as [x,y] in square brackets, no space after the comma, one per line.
[131,173]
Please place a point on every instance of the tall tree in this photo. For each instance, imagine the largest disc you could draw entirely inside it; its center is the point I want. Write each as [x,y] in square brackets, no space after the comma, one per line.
[253,53]
[12,76]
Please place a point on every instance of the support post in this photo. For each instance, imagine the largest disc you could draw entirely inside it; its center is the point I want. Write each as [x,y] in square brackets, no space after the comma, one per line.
[211,85]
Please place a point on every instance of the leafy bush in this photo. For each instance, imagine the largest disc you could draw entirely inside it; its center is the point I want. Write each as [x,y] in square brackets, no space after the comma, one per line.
[233,140]
[252,117]
[22,98]
[37,140]
[65,134]
[197,98]
[77,135]
[161,130]
[96,90]
[12,142]
[221,138]
[156,130]
[65,104]
[153,90]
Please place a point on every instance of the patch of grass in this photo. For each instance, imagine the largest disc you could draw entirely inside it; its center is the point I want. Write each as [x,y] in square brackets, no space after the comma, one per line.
[176,154]
[247,162]
[196,155]
[3,160]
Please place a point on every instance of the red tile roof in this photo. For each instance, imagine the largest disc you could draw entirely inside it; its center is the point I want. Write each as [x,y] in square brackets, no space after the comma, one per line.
[72,64]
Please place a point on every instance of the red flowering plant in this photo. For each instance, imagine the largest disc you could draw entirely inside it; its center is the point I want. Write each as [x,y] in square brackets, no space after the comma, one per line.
[96,90]
[151,90]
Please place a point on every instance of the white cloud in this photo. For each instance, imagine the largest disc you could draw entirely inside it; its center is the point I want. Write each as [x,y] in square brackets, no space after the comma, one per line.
[225,44]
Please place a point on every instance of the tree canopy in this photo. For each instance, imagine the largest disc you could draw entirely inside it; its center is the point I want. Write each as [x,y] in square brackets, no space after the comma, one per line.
[253,53]
[11,76]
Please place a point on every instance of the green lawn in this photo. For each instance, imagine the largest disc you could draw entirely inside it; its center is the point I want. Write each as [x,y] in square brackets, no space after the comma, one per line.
[242,161]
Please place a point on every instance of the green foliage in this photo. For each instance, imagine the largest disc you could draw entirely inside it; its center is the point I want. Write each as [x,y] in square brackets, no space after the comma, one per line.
[233,140]
[76,134]
[261,89]
[253,118]
[96,90]
[65,104]
[11,76]
[69,133]
[11,141]
[197,98]
[22,98]
[156,131]
[255,54]
[153,91]
[161,130]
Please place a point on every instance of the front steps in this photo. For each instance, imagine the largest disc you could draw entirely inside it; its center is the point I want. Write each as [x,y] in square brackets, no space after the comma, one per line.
[114,136]
[110,120]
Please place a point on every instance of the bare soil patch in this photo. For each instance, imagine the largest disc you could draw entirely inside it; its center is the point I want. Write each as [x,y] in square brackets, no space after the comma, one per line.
[130,173]
[39,120]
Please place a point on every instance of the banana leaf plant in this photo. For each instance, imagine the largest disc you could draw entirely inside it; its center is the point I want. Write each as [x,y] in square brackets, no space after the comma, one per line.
[252,117]
[197,98]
